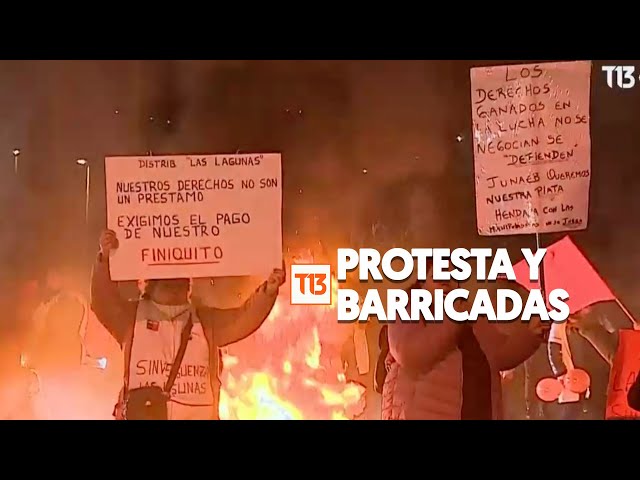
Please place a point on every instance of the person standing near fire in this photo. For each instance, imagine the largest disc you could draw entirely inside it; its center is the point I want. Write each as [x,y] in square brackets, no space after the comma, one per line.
[451,371]
[54,350]
[54,338]
[162,327]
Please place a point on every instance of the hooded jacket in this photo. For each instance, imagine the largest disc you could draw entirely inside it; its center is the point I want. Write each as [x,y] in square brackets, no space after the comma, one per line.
[220,327]
[450,370]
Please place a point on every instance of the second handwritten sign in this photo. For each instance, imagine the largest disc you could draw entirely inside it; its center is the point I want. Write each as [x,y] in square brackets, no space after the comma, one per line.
[532,148]
[195,216]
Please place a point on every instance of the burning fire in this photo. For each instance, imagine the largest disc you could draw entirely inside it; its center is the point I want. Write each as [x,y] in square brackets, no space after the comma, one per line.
[291,368]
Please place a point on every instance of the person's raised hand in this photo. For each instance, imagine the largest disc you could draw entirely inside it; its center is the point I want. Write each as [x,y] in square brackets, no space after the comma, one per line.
[108,242]
[276,279]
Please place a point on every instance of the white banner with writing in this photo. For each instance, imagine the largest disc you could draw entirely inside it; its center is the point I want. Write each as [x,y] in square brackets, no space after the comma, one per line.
[194,216]
[532,147]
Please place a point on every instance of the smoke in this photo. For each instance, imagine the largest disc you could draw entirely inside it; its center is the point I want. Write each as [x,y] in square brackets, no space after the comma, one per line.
[16,209]
[370,155]
[363,143]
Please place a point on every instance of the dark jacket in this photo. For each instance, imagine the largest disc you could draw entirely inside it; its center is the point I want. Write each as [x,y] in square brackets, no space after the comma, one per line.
[221,326]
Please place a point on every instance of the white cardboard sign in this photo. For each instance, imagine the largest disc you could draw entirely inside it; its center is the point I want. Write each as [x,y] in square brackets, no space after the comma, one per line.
[532,147]
[194,216]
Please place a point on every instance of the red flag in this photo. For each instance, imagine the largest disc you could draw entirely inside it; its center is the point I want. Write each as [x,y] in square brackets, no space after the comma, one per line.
[566,267]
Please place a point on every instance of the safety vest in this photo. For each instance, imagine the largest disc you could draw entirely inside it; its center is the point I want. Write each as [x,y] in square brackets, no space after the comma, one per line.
[152,348]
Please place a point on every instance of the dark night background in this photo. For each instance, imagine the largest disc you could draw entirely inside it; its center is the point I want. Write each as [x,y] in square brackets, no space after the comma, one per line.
[332,120]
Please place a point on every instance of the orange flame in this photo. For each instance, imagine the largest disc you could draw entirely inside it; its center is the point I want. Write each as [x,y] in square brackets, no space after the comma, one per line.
[291,369]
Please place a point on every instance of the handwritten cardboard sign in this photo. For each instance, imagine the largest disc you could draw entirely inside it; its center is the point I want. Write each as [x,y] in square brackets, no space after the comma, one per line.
[532,148]
[625,368]
[195,216]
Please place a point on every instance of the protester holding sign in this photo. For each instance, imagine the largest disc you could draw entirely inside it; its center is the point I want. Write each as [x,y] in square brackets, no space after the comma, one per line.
[170,346]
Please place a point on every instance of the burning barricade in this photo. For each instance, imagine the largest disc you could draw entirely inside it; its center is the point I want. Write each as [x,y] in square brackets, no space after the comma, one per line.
[291,368]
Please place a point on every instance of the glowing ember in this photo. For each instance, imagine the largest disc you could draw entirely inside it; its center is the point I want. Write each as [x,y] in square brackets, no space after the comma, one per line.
[291,368]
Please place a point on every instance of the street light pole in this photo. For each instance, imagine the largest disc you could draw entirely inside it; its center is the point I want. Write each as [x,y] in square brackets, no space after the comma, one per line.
[16,154]
[87,194]
[84,163]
